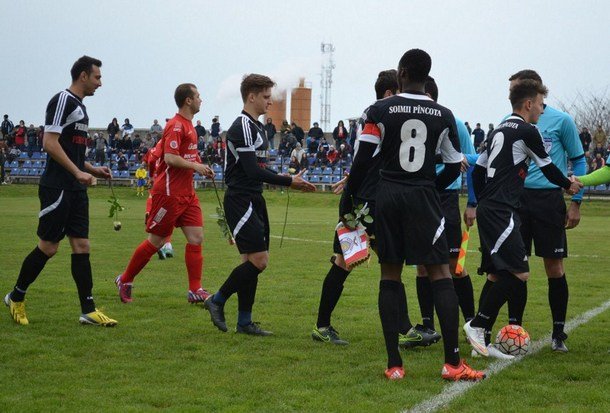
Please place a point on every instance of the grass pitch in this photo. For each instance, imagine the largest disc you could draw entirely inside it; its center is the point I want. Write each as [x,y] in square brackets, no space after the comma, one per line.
[166,355]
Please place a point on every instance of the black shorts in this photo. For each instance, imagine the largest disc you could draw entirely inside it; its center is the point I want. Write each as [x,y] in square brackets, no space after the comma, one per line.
[450,205]
[543,215]
[502,248]
[370,228]
[410,225]
[62,213]
[246,214]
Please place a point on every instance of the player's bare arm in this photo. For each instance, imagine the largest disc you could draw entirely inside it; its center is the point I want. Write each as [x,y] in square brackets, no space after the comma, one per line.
[302,185]
[102,172]
[176,161]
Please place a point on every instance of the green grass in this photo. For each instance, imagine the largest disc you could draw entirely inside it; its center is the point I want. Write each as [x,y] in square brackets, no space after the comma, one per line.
[166,355]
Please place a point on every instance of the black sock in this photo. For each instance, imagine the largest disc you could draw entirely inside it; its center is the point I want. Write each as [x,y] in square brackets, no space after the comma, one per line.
[246,294]
[240,276]
[389,304]
[446,303]
[558,300]
[81,272]
[425,297]
[517,302]
[463,289]
[404,322]
[494,300]
[488,284]
[30,269]
[331,292]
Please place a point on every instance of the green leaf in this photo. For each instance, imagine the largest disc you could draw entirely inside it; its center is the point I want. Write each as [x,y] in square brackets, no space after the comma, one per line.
[349,217]
[368,219]
[352,224]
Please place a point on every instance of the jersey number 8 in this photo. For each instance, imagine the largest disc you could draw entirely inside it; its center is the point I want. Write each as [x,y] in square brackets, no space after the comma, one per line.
[413,135]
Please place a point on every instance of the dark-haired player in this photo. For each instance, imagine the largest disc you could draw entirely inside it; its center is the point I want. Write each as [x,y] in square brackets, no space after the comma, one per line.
[174,202]
[385,86]
[424,334]
[64,205]
[498,181]
[245,207]
[410,227]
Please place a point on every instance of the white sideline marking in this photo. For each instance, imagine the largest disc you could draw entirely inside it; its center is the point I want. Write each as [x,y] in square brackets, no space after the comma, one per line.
[455,390]
[302,239]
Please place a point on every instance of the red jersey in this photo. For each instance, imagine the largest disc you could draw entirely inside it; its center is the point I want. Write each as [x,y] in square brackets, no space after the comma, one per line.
[179,138]
[152,158]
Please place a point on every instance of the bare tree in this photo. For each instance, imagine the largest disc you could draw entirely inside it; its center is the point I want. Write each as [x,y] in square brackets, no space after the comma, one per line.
[589,109]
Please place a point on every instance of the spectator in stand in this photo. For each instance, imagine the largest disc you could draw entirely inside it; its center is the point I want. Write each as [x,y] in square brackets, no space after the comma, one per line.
[40,137]
[298,152]
[332,156]
[156,130]
[32,136]
[219,150]
[344,153]
[7,127]
[294,166]
[215,129]
[100,148]
[600,136]
[322,152]
[148,142]
[201,144]
[305,162]
[353,133]
[298,132]
[491,129]
[201,132]
[479,136]
[122,164]
[128,145]
[126,128]
[20,134]
[598,162]
[137,142]
[283,147]
[113,130]
[585,139]
[599,150]
[270,132]
[285,129]
[313,138]
[468,127]
[340,133]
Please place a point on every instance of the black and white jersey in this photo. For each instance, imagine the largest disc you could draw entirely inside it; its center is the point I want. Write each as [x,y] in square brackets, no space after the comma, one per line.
[368,189]
[411,128]
[510,147]
[246,134]
[67,116]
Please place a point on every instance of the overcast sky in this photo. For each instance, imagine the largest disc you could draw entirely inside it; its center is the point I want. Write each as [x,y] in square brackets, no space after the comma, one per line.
[149,47]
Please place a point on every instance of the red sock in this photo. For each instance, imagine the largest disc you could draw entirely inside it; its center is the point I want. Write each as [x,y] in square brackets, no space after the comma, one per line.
[139,259]
[194,265]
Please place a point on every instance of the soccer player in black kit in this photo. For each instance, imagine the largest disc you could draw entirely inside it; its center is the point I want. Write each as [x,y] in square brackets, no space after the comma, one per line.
[64,205]
[385,86]
[498,181]
[410,226]
[244,205]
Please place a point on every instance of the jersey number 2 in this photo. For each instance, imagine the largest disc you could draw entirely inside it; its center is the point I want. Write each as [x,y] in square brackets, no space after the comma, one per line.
[413,135]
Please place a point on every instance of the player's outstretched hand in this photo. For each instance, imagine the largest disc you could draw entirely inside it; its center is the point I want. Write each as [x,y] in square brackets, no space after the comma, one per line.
[85,178]
[575,187]
[103,172]
[302,185]
[206,171]
[470,214]
[339,186]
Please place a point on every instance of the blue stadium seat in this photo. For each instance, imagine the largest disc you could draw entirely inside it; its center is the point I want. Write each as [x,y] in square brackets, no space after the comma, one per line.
[22,172]
[38,164]
[317,170]
[325,179]
[24,155]
[273,168]
[39,172]
[124,174]
[219,177]
[14,164]
[132,158]
[7,164]
[600,188]
[43,155]
[36,155]
[338,171]
[272,152]
[327,171]
[284,169]
[336,179]
[314,179]
[27,164]
[33,172]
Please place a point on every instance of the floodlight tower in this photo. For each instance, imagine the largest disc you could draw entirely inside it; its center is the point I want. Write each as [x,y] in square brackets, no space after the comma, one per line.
[326,81]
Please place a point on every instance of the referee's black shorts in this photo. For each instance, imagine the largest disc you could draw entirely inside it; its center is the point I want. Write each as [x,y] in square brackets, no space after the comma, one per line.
[543,214]
[450,205]
[246,214]
[502,248]
[370,228]
[410,225]
[62,213]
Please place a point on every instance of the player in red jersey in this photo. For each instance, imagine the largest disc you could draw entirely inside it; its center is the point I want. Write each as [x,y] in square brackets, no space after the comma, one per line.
[174,203]
[151,158]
